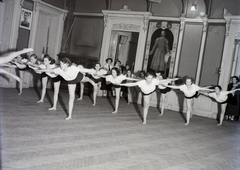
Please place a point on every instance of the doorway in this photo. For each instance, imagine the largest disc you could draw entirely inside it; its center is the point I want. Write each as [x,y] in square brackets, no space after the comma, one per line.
[123,47]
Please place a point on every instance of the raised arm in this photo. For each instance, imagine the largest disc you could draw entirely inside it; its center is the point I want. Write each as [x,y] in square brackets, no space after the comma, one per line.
[11,56]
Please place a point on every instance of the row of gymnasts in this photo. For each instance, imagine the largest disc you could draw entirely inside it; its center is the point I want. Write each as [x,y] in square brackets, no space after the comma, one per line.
[73,74]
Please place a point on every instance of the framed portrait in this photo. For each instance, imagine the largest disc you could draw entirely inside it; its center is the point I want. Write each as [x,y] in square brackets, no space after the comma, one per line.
[26,19]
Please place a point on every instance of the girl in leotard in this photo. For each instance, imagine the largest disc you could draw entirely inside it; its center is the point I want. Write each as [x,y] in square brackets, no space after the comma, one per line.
[95,78]
[190,91]
[115,78]
[147,87]
[73,75]
[163,90]
[220,97]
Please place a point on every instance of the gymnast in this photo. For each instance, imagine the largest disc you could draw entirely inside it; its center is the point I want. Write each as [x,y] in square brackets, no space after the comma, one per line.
[8,58]
[95,78]
[220,97]
[129,90]
[73,75]
[49,63]
[163,90]
[115,78]
[148,86]
[190,91]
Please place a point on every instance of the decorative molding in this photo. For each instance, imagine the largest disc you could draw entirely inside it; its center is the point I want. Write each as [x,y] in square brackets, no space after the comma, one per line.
[105,18]
[182,23]
[64,16]
[145,23]
[21,3]
[237,35]
[126,26]
[205,24]
[227,27]
[164,25]
[237,41]
[36,4]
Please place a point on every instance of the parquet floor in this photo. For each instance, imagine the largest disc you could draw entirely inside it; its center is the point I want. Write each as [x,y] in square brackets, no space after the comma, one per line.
[33,138]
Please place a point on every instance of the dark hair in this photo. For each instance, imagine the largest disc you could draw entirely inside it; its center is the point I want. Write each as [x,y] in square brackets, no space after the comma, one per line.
[65,60]
[218,86]
[149,74]
[187,77]
[235,78]
[98,63]
[142,72]
[116,69]
[109,59]
[52,61]
[34,56]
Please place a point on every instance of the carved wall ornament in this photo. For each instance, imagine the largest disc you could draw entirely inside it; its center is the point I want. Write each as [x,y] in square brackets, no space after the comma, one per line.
[225,13]
[21,3]
[237,36]
[145,23]
[105,20]
[125,8]
[164,25]
[36,4]
[227,27]
[64,16]
[124,26]
[205,24]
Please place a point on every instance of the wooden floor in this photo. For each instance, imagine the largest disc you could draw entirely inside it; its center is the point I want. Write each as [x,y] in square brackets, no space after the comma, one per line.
[34,138]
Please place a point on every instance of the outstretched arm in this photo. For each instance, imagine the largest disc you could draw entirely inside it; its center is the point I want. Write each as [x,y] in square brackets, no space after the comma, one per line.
[133,79]
[173,87]
[231,91]
[206,88]
[12,55]
[8,65]
[166,81]
[129,84]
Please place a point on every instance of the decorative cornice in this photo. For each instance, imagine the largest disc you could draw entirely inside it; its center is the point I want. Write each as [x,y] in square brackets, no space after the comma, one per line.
[126,26]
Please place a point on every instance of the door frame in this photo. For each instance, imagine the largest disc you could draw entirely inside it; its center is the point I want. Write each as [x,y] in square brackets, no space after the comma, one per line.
[43,7]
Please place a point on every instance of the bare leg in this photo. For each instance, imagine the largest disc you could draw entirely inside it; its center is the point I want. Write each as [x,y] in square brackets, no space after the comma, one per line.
[163,96]
[189,109]
[55,95]
[104,93]
[117,92]
[223,108]
[81,90]
[44,87]
[95,89]
[146,102]
[71,91]
[129,95]
[20,83]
